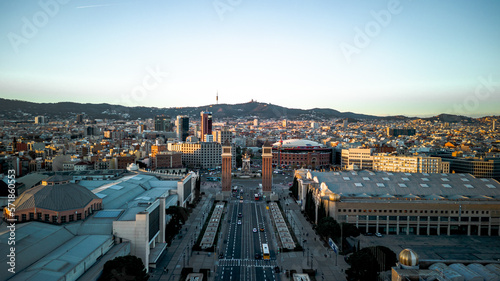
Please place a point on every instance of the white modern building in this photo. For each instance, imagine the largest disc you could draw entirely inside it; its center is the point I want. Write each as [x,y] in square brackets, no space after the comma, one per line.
[359,158]
[132,221]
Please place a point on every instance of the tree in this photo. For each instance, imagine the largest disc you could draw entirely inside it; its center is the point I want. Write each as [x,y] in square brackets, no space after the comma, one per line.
[363,266]
[310,207]
[295,188]
[321,211]
[328,228]
[124,268]
[197,189]
[368,262]
[179,214]
[349,229]
[239,160]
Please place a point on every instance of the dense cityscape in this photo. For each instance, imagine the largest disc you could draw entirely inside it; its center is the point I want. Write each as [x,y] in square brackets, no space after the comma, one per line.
[229,140]
[249,198]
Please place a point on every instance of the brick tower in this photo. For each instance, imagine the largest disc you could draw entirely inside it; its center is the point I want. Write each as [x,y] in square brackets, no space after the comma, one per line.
[267,168]
[226,168]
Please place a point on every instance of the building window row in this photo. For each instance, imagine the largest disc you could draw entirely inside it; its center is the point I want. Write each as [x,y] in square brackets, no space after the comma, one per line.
[47,217]
[423,218]
[414,211]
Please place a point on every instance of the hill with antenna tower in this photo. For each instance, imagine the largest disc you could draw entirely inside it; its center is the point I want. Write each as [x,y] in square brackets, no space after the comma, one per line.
[24,110]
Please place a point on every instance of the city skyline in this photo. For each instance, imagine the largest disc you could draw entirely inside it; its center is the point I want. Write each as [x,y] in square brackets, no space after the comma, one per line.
[380,58]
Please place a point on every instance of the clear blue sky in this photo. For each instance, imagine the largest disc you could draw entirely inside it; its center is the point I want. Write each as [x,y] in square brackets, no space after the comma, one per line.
[421,58]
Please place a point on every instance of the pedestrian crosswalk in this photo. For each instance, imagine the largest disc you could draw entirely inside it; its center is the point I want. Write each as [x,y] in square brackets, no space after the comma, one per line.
[247,263]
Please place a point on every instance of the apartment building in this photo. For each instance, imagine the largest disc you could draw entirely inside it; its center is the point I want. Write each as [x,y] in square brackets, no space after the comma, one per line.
[409,164]
[360,157]
[202,155]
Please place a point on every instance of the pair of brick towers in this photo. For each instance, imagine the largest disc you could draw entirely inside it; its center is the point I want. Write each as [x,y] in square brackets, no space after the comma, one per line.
[267,168]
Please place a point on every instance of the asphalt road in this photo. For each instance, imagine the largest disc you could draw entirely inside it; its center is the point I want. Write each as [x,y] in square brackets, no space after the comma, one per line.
[240,244]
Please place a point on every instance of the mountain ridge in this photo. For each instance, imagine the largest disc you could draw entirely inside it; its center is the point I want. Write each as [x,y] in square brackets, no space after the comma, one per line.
[25,110]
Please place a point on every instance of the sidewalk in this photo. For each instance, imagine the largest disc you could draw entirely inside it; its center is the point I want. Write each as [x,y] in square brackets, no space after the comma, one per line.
[179,254]
[328,265]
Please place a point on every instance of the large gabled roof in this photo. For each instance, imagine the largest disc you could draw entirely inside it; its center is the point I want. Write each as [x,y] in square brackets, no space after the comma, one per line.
[422,186]
[57,197]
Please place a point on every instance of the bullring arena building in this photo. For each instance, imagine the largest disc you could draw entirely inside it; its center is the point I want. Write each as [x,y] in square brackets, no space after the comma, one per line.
[301,153]
[405,203]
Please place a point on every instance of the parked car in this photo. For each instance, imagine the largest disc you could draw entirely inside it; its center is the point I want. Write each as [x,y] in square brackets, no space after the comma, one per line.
[378,234]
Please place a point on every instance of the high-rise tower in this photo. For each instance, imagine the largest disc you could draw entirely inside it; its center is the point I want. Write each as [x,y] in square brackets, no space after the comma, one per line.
[182,127]
[267,168]
[226,168]
[206,124]
[162,123]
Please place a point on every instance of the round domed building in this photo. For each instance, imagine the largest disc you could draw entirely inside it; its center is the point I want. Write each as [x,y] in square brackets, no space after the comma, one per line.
[301,153]
[56,200]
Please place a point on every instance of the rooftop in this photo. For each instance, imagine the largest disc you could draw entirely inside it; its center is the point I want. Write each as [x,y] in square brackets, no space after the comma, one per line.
[421,186]
[298,143]
[55,197]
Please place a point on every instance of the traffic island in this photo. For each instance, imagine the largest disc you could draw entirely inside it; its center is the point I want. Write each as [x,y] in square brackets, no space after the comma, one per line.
[210,230]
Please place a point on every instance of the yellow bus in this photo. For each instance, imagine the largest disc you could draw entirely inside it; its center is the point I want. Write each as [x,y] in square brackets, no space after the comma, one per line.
[265,252]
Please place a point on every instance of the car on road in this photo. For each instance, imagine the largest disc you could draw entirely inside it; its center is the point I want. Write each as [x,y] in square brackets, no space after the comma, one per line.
[262,229]
[254,229]
[257,256]
[239,221]
[378,234]
[240,215]
[241,197]
[241,201]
